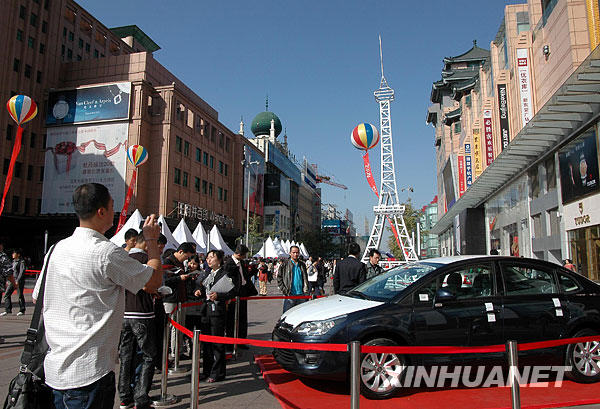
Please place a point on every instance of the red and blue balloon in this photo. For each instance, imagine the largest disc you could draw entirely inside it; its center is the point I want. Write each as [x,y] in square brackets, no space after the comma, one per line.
[364,136]
[137,155]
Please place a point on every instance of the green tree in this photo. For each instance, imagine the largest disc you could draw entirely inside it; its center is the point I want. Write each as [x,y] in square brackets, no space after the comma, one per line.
[318,243]
[411,218]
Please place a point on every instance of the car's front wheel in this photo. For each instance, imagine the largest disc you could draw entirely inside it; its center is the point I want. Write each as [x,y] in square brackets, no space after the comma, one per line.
[584,358]
[380,374]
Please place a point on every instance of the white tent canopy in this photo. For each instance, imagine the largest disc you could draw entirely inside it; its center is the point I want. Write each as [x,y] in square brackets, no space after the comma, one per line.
[171,242]
[217,242]
[201,238]
[286,246]
[303,251]
[271,249]
[132,223]
[279,246]
[183,234]
[261,252]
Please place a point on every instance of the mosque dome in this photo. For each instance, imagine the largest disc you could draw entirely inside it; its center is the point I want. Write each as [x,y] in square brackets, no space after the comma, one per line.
[261,124]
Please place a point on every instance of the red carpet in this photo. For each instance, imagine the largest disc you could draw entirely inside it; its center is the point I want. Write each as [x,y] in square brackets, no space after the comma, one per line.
[297,393]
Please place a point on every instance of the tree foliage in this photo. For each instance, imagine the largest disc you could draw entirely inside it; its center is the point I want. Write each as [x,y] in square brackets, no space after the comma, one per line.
[411,218]
[318,243]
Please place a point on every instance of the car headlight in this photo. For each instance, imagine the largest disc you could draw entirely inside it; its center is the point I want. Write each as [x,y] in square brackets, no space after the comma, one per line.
[318,327]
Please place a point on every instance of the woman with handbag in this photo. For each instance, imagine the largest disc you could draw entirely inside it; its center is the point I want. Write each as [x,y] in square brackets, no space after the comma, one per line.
[220,286]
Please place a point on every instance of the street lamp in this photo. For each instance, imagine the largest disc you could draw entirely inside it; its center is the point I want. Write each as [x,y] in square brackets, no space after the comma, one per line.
[247,164]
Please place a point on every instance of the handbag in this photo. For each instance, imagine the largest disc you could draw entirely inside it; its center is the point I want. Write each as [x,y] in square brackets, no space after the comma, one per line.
[27,390]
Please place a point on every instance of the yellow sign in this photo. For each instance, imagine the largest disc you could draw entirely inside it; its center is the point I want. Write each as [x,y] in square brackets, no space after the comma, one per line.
[477,163]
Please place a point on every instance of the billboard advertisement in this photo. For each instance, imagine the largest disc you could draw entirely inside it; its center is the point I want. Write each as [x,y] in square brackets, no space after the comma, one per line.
[461,175]
[277,189]
[579,168]
[489,137]
[448,174]
[256,182]
[84,154]
[503,115]
[524,85]
[468,166]
[332,226]
[89,104]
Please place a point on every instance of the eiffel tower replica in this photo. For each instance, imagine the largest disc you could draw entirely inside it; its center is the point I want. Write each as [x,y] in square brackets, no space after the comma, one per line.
[389,207]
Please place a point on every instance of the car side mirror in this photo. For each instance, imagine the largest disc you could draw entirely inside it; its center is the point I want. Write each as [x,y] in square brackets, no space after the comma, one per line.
[444,295]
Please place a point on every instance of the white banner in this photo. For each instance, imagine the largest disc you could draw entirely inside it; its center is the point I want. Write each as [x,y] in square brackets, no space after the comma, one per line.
[524,85]
[84,154]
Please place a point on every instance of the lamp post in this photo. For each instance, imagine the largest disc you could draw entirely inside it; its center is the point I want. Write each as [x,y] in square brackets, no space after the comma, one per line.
[247,164]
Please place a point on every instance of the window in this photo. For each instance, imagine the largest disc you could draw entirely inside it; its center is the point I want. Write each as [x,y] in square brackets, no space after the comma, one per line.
[547,7]
[27,71]
[198,155]
[225,195]
[207,130]
[220,193]
[65,32]
[96,54]
[80,43]
[212,162]
[5,167]
[534,183]
[205,158]
[31,42]
[44,141]
[457,127]
[17,169]
[42,48]
[185,179]
[87,47]
[469,282]
[19,35]
[46,4]
[210,189]
[213,134]
[78,57]
[71,36]
[69,54]
[186,148]
[468,101]
[521,280]
[33,19]
[22,12]
[38,77]
[9,132]
[221,167]
[62,50]
[44,26]
[522,21]
[567,284]
[178,142]
[537,226]
[221,140]
[32,140]
[41,174]
[197,184]
[29,172]
[550,174]
[177,176]
[227,142]
[16,65]
[226,169]
[15,204]
[27,205]
[554,229]
[205,187]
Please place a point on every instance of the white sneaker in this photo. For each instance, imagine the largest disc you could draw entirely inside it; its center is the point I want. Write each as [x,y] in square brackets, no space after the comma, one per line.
[2,314]
[20,313]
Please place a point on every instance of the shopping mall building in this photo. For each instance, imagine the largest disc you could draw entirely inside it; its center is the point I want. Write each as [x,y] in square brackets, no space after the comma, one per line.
[516,136]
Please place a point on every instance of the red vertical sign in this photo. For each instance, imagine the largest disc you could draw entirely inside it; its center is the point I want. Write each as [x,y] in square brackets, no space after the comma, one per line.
[461,175]
[489,138]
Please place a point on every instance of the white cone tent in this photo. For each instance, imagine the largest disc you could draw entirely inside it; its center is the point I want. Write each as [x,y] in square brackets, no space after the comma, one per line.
[171,242]
[132,223]
[303,251]
[270,250]
[286,246]
[261,252]
[201,238]
[279,247]
[217,242]
[183,234]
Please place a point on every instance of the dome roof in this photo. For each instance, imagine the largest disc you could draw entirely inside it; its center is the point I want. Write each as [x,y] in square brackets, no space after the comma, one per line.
[261,124]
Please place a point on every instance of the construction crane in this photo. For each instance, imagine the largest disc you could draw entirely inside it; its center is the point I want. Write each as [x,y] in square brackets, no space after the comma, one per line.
[326,179]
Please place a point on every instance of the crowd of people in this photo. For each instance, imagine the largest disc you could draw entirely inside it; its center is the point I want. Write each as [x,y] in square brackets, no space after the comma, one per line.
[103,303]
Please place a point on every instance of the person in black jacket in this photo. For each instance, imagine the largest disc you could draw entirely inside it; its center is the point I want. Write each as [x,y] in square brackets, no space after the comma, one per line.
[349,272]
[236,264]
[215,314]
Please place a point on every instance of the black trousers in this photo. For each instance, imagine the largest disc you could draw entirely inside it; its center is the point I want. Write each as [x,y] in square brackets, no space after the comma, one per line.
[243,331]
[213,355]
[137,333]
[9,290]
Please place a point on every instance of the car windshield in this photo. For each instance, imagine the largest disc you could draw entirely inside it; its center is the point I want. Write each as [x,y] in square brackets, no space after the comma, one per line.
[389,284]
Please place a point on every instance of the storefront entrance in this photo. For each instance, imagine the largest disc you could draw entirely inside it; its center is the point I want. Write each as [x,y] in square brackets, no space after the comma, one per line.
[585,251]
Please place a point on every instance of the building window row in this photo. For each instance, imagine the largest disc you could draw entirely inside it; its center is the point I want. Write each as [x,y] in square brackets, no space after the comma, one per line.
[207,187]
[202,126]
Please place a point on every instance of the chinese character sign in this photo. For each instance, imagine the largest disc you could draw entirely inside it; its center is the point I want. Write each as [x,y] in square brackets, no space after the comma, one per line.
[477,152]
[489,138]
[468,166]
[524,85]
[461,175]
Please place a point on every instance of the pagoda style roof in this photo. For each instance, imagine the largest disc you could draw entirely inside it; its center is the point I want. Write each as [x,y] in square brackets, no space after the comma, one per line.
[474,54]
[452,116]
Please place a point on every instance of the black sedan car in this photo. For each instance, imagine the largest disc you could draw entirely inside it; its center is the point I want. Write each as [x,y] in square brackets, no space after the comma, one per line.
[453,301]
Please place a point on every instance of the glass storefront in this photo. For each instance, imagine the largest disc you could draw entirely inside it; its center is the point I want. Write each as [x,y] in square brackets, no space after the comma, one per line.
[585,251]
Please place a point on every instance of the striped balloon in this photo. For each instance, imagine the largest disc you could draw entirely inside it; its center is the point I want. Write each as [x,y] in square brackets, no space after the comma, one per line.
[21,108]
[137,155]
[364,136]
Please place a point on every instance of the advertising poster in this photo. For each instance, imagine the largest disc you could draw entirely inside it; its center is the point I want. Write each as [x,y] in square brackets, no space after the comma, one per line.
[84,154]
[89,104]
[256,182]
[461,175]
[272,188]
[579,168]
[489,137]
[478,166]
[524,85]
[503,115]
[468,165]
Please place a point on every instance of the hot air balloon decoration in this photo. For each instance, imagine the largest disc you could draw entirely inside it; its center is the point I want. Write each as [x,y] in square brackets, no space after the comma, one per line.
[137,155]
[21,109]
[364,137]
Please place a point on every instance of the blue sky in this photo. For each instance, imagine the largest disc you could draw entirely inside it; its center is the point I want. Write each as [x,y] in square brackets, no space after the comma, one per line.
[319,63]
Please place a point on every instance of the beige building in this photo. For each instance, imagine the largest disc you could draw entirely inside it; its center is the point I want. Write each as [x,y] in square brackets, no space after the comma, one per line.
[194,160]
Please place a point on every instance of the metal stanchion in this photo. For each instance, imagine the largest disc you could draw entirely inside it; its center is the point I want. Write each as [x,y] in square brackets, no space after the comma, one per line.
[513,363]
[177,369]
[354,374]
[165,398]
[236,327]
[195,369]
